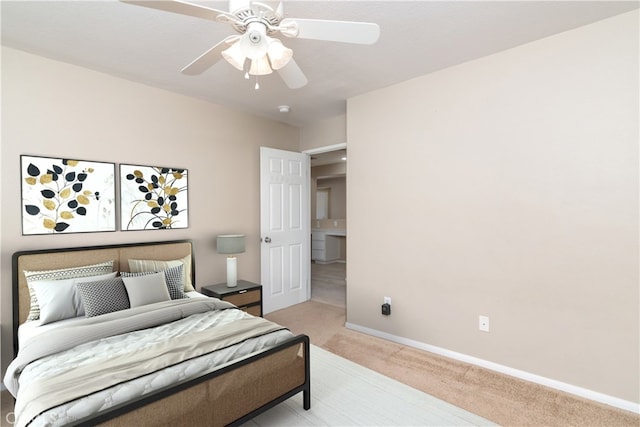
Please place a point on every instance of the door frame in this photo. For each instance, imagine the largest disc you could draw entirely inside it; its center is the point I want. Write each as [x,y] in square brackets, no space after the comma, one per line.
[307,221]
[326,148]
[310,152]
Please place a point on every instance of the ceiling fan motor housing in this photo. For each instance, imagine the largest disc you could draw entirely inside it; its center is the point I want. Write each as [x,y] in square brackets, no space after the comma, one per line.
[249,12]
[255,36]
[254,42]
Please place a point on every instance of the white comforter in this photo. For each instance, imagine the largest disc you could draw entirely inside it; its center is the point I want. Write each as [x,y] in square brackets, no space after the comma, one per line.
[24,372]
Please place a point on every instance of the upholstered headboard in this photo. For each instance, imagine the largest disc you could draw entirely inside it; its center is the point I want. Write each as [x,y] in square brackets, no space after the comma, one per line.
[51,259]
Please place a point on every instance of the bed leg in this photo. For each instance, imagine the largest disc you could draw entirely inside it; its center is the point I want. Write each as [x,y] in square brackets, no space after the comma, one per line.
[306,393]
[306,398]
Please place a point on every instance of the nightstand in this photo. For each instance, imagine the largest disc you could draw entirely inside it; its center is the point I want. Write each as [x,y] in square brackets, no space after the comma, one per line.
[247,295]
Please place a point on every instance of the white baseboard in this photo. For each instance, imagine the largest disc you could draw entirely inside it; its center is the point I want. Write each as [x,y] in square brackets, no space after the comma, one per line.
[558,385]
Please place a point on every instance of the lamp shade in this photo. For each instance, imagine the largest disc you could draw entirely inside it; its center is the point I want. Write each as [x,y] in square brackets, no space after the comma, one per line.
[230,243]
[235,56]
[279,55]
[260,67]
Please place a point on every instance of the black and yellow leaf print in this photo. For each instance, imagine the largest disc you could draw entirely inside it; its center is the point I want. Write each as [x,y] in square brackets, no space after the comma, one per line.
[158,189]
[62,194]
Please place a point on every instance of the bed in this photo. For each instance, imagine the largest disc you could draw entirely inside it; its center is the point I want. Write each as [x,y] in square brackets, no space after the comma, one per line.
[189,360]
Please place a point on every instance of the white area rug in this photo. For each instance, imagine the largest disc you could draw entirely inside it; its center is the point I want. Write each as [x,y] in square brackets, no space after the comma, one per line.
[344,393]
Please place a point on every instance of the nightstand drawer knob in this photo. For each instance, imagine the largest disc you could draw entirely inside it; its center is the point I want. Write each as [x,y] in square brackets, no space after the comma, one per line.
[242,291]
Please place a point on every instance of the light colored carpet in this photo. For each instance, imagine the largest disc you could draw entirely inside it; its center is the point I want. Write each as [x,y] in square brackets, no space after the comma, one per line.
[504,400]
[344,393]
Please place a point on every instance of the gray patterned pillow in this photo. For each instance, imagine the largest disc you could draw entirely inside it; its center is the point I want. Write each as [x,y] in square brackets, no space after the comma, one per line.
[174,277]
[59,274]
[103,296]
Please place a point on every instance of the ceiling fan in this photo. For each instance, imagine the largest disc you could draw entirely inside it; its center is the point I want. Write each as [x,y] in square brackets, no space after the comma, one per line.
[254,49]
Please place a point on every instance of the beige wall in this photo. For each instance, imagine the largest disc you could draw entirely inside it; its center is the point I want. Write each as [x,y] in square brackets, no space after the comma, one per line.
[323,133]
[54,109]
[510,190]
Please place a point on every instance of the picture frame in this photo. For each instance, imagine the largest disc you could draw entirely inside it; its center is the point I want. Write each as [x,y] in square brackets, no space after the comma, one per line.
[63,196]
[153,198]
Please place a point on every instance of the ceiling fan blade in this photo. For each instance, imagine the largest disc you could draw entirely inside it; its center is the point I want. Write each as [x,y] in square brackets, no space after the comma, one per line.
[280,8]
[209,58]
[274,5]
[292,75]
[336,31]
[183,8]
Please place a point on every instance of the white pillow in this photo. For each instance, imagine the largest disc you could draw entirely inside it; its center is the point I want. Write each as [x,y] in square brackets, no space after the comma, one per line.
[59,299]
[59,274]
[147,289]
[144,265]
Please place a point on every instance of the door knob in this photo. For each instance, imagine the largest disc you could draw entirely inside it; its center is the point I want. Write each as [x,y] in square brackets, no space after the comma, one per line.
[267,239]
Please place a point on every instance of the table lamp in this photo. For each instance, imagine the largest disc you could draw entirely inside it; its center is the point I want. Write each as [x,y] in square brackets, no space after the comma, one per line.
[231,244]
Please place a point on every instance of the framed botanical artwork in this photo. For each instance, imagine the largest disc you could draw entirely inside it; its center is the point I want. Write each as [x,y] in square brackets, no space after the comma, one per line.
[62,196]
[153,198]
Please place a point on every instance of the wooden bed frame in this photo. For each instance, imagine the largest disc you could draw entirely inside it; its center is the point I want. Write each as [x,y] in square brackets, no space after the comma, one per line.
[229,396]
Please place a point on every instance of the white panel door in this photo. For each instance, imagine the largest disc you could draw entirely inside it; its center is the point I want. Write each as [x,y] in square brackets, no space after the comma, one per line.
[284,228]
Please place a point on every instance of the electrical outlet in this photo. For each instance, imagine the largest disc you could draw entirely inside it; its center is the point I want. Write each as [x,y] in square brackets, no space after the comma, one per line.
[483,324]
[387,300]
[386,309]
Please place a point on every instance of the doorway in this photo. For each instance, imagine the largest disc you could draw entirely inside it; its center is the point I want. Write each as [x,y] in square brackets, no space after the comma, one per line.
[284,230]
[328,217]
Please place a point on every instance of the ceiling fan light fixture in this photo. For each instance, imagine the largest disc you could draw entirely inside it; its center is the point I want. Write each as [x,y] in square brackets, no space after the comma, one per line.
[254,41]
[235,56]
[260,67]
[279,54]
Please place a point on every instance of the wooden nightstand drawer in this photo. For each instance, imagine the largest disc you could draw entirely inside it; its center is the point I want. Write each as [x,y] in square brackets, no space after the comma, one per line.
[243,298]
[254,310]
[247,296]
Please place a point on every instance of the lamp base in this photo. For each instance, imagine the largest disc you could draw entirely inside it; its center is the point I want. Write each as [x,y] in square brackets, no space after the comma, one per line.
[232,272]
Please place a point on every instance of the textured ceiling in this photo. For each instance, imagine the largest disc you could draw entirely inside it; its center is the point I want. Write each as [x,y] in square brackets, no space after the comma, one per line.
[417,37]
